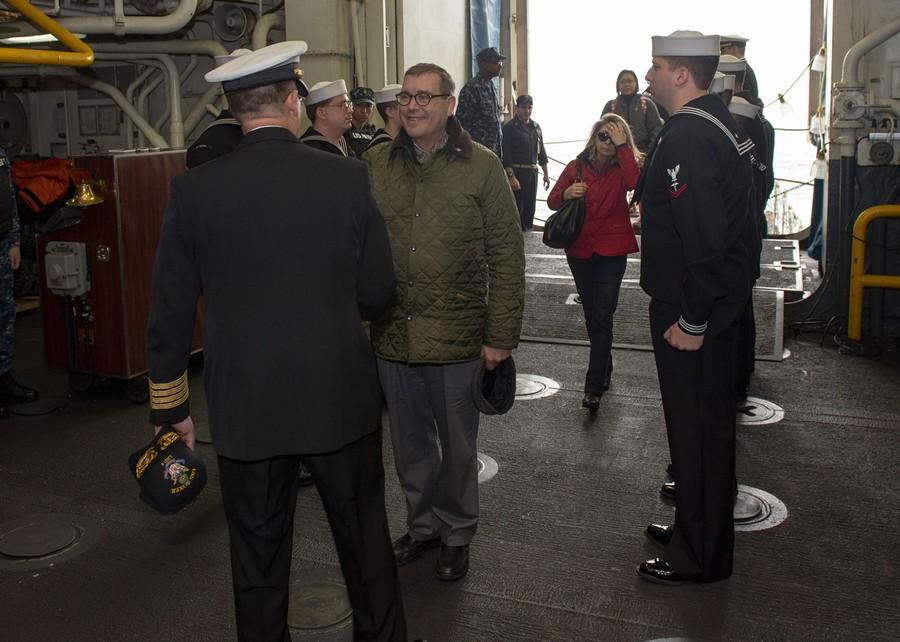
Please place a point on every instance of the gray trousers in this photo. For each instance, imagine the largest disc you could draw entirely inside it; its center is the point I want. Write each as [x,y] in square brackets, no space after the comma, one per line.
[434,428]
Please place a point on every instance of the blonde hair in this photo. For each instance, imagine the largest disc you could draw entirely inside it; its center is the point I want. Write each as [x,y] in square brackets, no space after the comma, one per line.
[591,147]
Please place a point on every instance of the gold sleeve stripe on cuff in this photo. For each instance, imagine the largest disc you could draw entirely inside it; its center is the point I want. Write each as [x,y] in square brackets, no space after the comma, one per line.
[166,394]
[169,395]
[162,387]
[155,405]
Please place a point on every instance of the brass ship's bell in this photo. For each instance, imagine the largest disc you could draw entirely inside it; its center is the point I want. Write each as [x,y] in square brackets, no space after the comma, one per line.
[84,196]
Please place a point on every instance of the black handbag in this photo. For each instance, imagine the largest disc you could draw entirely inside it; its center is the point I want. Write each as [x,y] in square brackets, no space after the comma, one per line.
[563,226]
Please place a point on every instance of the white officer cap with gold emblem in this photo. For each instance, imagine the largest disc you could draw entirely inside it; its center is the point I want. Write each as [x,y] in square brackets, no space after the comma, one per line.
[740,107]
[325,89]
[265,66]
[721,82]
[685,43]
[730,64]
[387,94]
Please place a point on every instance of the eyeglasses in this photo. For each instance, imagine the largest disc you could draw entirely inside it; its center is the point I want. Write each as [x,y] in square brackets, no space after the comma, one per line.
[603,136]
[422,98]
[347,104]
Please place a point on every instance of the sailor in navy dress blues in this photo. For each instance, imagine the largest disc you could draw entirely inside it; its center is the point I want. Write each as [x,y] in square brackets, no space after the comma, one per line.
[698,244]
[284,345]
[330,111]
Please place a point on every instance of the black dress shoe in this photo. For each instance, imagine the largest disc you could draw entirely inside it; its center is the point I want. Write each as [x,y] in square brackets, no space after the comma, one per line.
[408,548]
[453,562]
[669,471]
[14,391]
[4,411]
[591,401]
[667,490]
[304,477]
[659,535]
[658,571]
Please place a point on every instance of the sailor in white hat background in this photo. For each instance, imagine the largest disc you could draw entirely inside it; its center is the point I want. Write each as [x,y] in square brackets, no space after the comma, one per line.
[735,45]
[220,136]
[698,245]
[389,109]
[331,113]
[283,343]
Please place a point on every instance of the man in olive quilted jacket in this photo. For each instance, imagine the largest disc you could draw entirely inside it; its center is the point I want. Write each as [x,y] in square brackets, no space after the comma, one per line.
[457,248]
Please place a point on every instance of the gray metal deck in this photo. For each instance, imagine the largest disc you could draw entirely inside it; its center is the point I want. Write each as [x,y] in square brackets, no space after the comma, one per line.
[561,526]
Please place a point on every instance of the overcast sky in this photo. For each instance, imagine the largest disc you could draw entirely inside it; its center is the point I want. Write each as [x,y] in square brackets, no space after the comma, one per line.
[577,48]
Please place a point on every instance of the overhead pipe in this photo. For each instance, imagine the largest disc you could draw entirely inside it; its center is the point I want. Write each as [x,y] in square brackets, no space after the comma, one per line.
[264,25]
[121,24]
[199,110]
[176,126]
[129,96]
[177,47]
[93,83]
[79,56]
[850,68]
[357,47]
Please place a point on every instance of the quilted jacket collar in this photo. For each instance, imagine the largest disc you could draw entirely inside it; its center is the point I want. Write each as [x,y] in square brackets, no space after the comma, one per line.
[459,143]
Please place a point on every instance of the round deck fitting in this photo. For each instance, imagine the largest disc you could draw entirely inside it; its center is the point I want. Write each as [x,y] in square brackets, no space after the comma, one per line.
[772,511]
[38,541]
[318,600]
[487,468]
[758,412]
[530,386]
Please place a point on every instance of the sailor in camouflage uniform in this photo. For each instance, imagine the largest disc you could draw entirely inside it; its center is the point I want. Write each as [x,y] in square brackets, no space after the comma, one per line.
[698,245]
[361,130]
[479,108]
[289,370]
[10,259]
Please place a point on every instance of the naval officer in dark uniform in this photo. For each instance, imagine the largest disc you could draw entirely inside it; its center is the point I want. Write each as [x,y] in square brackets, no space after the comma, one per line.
[523,152]
[284,345]
[698,243]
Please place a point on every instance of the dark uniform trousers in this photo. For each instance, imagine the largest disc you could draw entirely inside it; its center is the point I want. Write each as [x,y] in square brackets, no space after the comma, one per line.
[525,197]
[698,400]
[260,498]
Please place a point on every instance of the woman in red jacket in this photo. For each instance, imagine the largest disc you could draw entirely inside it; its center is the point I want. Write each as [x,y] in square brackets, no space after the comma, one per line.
[597,258]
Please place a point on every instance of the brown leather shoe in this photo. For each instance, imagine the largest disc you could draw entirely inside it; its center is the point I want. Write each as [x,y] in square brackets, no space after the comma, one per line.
[453,562]
[408,548]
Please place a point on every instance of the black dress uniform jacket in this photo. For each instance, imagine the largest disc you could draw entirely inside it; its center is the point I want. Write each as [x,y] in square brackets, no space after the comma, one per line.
[699,237]
[220,138]
[285,287]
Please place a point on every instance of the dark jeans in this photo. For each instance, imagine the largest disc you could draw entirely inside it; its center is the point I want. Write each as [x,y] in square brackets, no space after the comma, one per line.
[598,280]
[525,197]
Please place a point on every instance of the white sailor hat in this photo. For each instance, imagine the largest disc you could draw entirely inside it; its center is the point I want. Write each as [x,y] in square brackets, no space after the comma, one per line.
[685,43]
[732,39]
[721,82]
[740,107]
[325,89]
[730,64]
[265,66]
[387,94]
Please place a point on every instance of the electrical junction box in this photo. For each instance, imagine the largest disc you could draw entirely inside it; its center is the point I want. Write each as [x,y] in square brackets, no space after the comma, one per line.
[65,267]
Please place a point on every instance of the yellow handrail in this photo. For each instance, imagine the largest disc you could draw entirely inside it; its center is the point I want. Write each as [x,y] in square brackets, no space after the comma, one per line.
[860,280]
[80,55]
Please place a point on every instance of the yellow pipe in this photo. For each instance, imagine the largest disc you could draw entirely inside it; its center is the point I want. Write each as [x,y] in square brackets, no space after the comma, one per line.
[80,55]
[858,279]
